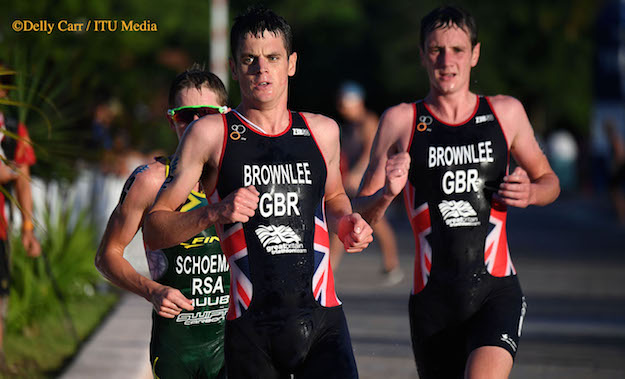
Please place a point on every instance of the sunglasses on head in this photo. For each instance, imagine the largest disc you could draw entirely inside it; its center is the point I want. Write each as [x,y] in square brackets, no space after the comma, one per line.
[188,113]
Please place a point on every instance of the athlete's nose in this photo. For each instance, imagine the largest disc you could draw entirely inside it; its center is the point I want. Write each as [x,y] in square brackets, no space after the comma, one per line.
[262,64]
[443,57]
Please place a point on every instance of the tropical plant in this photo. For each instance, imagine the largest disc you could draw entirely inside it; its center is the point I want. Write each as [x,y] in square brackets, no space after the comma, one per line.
[68,245]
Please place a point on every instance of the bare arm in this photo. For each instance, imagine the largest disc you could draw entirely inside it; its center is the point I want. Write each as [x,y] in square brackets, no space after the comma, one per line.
[25,200]
[534,182]
[387,172]
[139,191]
[350,227]
[198,152]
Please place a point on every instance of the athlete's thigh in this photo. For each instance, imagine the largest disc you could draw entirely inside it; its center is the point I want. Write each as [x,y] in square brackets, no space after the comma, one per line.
[167,363]
[442,355]
[247,353]
[331,355]
[488,362]
[439,350]
[499,321]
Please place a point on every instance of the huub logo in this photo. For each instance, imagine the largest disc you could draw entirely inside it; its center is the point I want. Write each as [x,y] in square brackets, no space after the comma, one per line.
[424,122]
[237,132]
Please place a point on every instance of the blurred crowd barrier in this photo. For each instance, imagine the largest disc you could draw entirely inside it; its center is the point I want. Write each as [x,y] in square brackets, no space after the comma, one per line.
[94,192]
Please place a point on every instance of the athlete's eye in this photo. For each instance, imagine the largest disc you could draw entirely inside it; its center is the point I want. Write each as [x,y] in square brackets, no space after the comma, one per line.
[247,60]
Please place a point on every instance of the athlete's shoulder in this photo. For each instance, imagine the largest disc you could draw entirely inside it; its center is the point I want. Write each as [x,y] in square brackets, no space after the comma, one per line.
[144,182]
[321,126]
[317,120]
[400,114]
[203,139]
[506,106]
[207,125]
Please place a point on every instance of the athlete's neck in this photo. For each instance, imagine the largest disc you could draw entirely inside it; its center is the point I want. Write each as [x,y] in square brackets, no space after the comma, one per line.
[269,121]
[452,108]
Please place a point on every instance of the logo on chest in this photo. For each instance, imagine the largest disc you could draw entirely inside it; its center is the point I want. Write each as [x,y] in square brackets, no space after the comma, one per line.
[458,213]
[280,239]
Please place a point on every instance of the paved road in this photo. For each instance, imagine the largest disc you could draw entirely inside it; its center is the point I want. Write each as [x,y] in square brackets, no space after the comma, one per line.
[570,258]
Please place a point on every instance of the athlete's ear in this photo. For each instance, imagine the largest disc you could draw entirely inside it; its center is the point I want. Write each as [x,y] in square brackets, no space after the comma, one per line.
[171,123]
[475,55]
[292,63]
[421,57]
[233,68]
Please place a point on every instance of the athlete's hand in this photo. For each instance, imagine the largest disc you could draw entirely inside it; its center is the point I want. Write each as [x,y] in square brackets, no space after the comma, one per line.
[239,206]
[7,173]
[169,302]
[354,232]
[397,167]
[31,245]
[516,189]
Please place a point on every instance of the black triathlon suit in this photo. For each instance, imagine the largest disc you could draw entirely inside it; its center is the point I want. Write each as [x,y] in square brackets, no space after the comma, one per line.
[465,293]
[284,316]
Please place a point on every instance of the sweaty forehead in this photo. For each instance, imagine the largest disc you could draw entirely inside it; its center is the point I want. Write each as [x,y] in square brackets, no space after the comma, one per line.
[189,96]
[449,33]
[250,39]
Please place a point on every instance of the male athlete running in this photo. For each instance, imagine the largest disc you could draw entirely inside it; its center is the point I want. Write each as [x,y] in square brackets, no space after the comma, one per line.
[190,281]
[275,189]
[451,152]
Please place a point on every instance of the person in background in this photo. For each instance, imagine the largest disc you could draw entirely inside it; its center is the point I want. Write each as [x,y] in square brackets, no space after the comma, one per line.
[357,134]
[17,156]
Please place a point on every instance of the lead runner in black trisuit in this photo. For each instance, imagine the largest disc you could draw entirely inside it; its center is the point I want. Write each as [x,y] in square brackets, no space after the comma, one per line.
[450,153]
[273,180]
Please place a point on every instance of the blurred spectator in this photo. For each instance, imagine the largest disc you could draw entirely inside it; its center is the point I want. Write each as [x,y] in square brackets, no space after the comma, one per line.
[103,115]
[17,157]
[357,134]
[609,87]
[617,169]
[563,155]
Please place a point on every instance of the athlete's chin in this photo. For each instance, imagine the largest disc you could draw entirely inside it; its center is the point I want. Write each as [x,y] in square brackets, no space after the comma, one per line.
[446,88]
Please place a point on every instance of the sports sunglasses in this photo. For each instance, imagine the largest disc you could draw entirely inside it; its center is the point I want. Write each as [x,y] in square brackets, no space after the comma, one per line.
[187,114]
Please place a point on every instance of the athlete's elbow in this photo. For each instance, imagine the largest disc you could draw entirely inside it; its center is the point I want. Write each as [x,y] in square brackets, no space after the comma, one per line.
[151,230]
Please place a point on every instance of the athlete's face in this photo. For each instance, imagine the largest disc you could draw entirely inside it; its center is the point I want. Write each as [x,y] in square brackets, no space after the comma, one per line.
[448,58]
[262,67]
[191,96]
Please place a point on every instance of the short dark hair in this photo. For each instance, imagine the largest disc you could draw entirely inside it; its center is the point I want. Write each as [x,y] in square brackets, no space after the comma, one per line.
[197,77]
[446,16]
[255,20]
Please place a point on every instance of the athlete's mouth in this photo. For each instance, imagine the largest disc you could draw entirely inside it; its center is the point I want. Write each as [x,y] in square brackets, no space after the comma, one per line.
[446,75]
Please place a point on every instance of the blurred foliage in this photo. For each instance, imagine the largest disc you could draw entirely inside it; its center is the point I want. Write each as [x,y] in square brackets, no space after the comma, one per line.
[539,52]
[69,244]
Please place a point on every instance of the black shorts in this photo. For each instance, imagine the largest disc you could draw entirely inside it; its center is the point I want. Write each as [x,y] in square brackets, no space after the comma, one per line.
[444,337]
[312,344]
[5,268]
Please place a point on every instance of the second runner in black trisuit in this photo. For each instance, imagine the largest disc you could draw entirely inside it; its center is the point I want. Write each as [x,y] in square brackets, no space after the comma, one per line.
[465,293]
